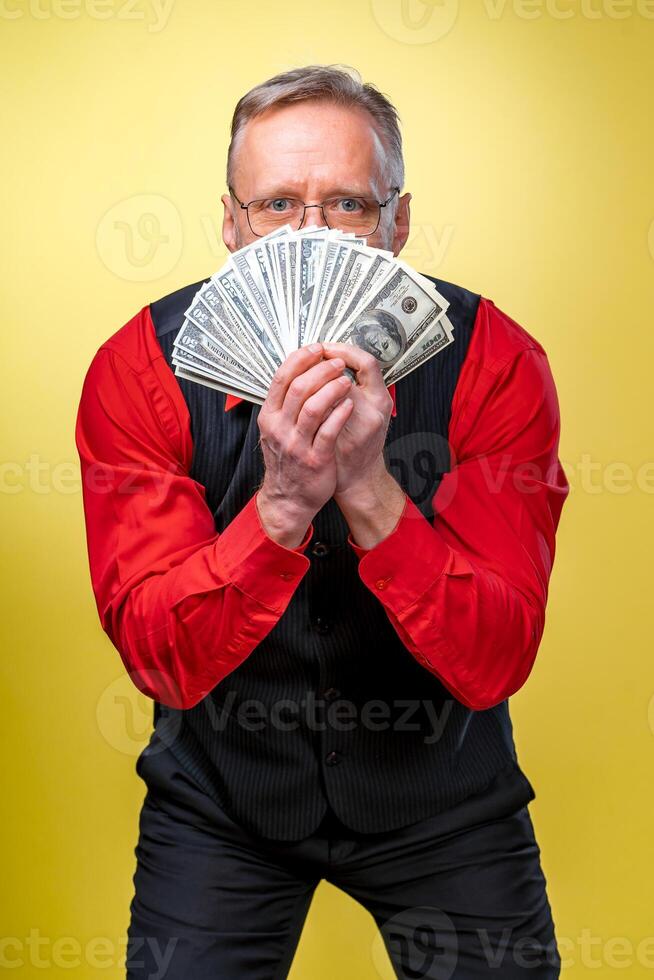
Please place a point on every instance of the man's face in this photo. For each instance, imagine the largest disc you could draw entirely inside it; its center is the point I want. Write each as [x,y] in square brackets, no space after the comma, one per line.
[313,151]
[376,340]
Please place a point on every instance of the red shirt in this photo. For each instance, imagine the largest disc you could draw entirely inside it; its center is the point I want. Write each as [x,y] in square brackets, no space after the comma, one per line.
[185,605]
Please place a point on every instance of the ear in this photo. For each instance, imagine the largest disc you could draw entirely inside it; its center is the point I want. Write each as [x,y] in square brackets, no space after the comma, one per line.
[230,228]
[402,223]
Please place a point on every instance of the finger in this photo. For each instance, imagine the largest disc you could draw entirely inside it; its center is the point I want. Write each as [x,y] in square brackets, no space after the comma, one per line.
[296,363]
[303,386]
[315,408]
[366,367]
[327,433]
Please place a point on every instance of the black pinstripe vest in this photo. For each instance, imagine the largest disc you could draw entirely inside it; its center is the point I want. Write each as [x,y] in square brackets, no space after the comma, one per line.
[331,708]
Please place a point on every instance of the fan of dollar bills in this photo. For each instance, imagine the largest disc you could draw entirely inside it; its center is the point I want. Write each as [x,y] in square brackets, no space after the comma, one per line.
[292,288]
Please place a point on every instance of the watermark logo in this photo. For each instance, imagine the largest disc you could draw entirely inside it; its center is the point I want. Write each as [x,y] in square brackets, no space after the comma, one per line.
[427,21]
[421,942]
[427,246]
[140,238]
[124,714]
[212,225]
[418,461]
[415,21]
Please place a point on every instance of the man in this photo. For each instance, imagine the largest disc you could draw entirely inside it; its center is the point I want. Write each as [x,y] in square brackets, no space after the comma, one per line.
[330,647]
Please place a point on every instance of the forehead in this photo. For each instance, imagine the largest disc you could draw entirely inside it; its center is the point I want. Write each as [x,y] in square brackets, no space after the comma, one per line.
[310,146]
[371,320]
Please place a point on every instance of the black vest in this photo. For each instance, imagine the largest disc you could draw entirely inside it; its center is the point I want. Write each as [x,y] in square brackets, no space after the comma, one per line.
[331,708]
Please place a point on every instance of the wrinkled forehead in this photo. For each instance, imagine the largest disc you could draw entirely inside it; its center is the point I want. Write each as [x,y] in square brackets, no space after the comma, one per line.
[315,147]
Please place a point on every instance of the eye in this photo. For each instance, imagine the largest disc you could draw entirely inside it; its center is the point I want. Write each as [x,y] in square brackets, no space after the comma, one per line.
[349,205]
[279,204]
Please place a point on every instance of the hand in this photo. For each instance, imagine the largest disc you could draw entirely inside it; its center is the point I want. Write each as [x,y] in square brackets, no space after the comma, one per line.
[299,422]
[360,445]
[368,496]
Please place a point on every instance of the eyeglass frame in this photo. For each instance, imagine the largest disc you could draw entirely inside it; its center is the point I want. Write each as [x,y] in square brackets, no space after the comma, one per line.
[245,207]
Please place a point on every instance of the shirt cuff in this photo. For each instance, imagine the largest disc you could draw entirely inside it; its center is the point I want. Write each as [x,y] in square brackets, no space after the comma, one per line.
[256,564]
[406,563]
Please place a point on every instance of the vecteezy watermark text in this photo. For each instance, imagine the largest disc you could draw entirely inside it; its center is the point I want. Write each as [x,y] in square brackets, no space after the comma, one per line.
[154,13]
[38,475]
[43,952]
[318,714]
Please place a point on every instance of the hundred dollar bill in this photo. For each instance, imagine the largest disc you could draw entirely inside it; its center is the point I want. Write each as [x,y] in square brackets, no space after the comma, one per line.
[278,296]
[379,269]
[291,272]
[439,335]
[248,268]
[258,277]
[248,321]
[280,253]
[332,261]
[211,312]
[356,260]
[218,385]
[198,367]
[193,342]
[189,362]
[394,317]
[288,289]
[269,276]
[311,254]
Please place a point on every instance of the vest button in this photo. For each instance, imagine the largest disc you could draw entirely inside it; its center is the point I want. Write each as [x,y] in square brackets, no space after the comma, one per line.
[320,549]
[321,625]
[331,694]
[332,758]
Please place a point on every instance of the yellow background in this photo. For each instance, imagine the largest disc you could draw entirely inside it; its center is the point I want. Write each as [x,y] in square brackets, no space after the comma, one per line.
[529,150]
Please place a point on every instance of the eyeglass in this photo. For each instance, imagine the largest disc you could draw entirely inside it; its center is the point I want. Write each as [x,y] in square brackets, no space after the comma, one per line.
[356,214]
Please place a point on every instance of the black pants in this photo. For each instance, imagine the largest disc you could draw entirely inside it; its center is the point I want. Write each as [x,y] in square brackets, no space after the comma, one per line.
[212,901]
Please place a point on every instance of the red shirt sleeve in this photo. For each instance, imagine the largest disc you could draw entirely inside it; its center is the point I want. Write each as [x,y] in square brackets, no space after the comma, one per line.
[183,605]
[467,595]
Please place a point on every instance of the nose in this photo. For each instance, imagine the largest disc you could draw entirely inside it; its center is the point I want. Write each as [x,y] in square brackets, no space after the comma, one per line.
[313,217]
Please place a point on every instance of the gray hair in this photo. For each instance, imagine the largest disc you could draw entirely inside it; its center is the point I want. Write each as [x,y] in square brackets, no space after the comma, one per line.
[334,83]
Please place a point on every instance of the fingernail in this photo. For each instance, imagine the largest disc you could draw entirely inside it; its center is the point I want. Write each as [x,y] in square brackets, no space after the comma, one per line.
[315,348]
